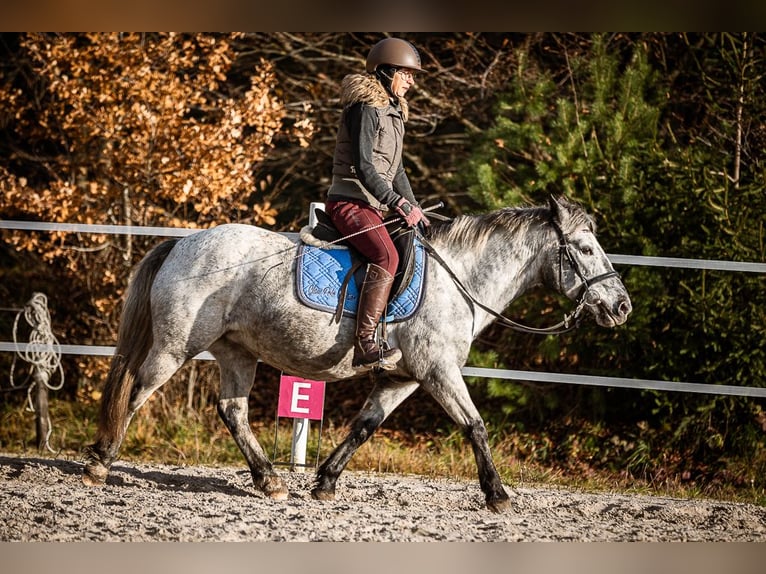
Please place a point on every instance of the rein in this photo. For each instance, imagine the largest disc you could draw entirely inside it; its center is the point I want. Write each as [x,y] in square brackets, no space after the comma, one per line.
[570,321]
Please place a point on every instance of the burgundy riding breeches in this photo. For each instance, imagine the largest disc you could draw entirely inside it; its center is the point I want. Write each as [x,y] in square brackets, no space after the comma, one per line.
[375,245]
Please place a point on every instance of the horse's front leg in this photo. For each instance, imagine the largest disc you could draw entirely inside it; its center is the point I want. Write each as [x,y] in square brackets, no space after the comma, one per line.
[385,396]
[450,391]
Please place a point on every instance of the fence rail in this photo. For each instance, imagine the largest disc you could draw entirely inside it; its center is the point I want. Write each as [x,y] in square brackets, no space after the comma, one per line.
[617,382]
[678,262]
[508,374]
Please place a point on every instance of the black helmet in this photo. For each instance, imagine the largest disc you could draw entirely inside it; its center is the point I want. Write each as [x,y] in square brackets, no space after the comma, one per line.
[394,52]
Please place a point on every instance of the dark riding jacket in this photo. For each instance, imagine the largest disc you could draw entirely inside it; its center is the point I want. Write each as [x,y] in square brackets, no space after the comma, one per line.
[367,165]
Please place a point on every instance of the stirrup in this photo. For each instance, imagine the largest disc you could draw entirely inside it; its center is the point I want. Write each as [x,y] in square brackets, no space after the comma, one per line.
[395,357]
[387,363]
[382,363]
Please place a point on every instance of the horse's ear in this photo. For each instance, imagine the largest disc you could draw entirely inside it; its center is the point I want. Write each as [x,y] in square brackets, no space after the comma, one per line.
[557,208]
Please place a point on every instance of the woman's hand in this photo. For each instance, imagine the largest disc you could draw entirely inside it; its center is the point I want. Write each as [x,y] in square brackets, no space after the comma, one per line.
[412,214]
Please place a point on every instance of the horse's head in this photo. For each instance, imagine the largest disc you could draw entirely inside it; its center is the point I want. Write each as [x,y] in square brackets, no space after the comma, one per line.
[580,268]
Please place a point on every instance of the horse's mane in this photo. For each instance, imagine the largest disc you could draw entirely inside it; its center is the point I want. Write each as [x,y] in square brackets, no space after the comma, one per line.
[475,230]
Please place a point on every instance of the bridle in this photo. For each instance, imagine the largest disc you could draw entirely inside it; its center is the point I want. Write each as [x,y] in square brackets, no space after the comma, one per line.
[565,252]
[570,321]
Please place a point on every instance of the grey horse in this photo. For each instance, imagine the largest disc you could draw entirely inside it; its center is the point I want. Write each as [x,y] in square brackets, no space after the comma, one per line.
[230,290]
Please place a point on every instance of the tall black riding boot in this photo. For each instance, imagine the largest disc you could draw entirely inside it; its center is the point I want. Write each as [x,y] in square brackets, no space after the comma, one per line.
[373,299]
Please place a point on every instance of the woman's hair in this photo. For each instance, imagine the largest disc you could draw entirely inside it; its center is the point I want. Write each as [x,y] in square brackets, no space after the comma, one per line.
[385,75]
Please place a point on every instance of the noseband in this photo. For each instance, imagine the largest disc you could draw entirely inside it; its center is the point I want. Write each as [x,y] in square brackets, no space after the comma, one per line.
[565,253]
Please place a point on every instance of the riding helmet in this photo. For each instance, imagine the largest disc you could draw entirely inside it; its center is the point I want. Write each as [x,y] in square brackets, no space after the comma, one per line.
[394,52]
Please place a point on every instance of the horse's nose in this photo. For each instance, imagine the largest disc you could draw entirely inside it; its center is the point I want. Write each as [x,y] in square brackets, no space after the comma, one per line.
[624,307]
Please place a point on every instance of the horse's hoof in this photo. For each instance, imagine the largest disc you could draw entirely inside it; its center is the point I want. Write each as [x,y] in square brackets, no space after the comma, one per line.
[499,505]
[94,474]
[318,494]
[278,495]
[274,488]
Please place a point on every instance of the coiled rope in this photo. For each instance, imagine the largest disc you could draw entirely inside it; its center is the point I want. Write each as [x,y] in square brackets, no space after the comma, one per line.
[43,352]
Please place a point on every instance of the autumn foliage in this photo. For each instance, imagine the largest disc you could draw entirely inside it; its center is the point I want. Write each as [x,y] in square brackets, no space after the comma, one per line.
[132,129]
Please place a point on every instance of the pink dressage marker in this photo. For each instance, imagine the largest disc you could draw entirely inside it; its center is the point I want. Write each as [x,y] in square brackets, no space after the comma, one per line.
[300,398]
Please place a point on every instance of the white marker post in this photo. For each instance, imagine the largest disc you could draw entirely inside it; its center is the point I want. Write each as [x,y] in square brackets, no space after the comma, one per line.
[301,426]
[301,429]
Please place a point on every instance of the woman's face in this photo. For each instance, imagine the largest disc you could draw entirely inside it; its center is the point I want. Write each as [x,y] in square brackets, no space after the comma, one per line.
[403,81]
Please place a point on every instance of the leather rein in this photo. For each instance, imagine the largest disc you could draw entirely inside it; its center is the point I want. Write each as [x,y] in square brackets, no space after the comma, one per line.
[570,321]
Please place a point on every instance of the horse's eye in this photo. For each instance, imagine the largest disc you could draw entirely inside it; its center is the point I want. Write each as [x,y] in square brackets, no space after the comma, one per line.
[587,250]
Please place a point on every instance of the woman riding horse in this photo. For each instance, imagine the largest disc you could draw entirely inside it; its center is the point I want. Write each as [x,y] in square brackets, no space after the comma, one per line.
[369,179]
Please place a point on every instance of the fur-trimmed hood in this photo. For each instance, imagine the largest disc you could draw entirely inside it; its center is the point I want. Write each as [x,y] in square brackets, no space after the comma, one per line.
[367,89]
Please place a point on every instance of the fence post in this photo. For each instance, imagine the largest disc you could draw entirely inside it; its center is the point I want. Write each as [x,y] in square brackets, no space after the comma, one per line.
[42,418]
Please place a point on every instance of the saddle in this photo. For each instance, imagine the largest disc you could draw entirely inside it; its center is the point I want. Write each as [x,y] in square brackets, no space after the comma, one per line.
[324,255]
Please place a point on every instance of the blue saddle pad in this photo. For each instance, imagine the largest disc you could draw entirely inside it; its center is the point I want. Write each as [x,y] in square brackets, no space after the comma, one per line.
[320,274]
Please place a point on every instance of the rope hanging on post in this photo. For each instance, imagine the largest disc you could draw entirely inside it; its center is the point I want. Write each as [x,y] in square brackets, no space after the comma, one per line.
[43,352]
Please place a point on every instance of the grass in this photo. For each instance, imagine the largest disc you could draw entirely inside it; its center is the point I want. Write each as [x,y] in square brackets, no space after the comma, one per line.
[162,434]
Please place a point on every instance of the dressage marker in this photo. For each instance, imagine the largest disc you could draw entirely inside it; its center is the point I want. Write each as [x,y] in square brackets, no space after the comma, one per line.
[303,401]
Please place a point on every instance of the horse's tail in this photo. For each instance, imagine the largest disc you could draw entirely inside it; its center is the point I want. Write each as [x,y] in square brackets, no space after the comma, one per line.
[134,340]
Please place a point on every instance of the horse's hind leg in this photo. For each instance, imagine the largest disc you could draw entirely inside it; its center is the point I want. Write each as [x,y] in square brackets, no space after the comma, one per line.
[120,406]
[381,402]
[237,367]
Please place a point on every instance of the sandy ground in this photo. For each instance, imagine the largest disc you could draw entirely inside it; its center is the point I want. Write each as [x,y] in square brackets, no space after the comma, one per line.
[42,499]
